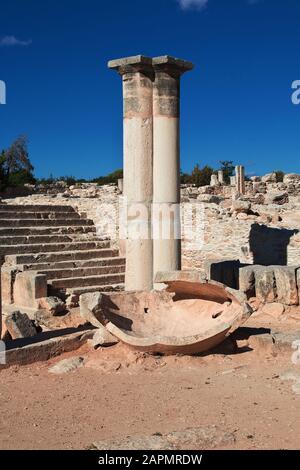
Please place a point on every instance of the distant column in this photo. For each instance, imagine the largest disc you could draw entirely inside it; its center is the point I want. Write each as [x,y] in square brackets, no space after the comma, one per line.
[166,162]
[214,180]
[240,179]
[221,177]
[137,75]
[232,180]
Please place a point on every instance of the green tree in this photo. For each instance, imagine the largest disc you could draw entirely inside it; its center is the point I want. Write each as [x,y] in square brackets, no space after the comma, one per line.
[3,176]
[201,176]
[185,178]
[110,178]
[15,166]
[279,176]
[228,169]
[17,157]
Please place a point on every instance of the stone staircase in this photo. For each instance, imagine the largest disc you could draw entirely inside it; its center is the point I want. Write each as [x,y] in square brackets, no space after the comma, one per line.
[59,242]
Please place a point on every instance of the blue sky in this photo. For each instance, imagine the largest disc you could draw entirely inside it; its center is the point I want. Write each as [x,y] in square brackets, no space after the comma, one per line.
[236,103]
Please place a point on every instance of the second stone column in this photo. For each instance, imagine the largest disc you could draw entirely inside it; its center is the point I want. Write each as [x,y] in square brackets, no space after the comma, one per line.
[166,162]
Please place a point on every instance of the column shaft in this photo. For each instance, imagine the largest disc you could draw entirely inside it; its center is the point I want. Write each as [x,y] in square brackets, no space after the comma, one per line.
[166,169]
[166,161]
[138,168]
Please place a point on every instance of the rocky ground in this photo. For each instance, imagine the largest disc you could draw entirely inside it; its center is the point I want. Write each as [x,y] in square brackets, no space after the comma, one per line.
[245,398]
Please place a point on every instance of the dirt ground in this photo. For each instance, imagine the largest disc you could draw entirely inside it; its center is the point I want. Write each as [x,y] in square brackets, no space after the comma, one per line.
[120,393]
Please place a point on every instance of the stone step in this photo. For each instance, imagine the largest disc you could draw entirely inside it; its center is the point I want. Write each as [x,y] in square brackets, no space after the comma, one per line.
[82,272]
[36,239]
[18,231]
[44,222]
[36,208]
[100,280]
[54,257]
[52,247]
[83,290]
[90,263]
[6,215]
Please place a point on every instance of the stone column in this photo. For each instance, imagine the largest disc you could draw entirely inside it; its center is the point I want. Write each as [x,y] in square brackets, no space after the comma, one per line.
[221,177]
[240,179]
[214,180]
[232,180]
[137,75]
[166,162]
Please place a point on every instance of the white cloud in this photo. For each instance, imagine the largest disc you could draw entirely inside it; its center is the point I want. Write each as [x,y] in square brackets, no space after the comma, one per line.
[10,41]
[197,4]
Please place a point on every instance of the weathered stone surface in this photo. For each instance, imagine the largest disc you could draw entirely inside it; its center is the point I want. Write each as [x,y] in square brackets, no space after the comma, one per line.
[7,282]
[102,337]
[67,365]
[259,187]
[291,178]
[275,310]
[190,439]
[265,285]
[28,353]
[286,285]
[29,287]
[255,179]
[53,305]
[247,280]
[89,307]
[72,301]
[277,197]
[240,206]
[210,198]
[20,326]
[192,275]
[269,178]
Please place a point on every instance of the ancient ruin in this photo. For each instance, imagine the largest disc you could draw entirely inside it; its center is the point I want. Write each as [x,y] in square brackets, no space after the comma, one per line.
[81,273]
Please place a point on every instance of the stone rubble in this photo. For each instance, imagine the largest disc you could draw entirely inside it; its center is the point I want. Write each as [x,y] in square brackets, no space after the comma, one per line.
[20,326]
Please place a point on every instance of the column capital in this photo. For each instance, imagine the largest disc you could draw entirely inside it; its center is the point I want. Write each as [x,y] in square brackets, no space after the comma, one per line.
[133,64]
[172,65]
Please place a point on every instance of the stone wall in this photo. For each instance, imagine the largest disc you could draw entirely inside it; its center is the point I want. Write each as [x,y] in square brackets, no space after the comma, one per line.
[262,227]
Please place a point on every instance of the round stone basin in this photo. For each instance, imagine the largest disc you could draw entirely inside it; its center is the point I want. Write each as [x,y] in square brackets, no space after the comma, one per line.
[187,318]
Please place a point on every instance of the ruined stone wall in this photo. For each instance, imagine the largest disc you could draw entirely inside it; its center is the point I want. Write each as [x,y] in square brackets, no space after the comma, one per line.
[268,236]
[261,227]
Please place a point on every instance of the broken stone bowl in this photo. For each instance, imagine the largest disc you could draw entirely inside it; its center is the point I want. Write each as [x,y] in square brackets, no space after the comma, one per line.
[186,318]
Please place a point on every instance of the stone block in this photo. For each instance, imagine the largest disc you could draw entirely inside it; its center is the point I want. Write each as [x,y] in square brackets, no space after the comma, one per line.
[29,287]
[53,305]
[265,287]
[192,276]
[277,197]
[269,178]
[20,326]
[286,285]
[67,365]
[247,280]
[103,337]
[240,206]
[7,284]
[210,198]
